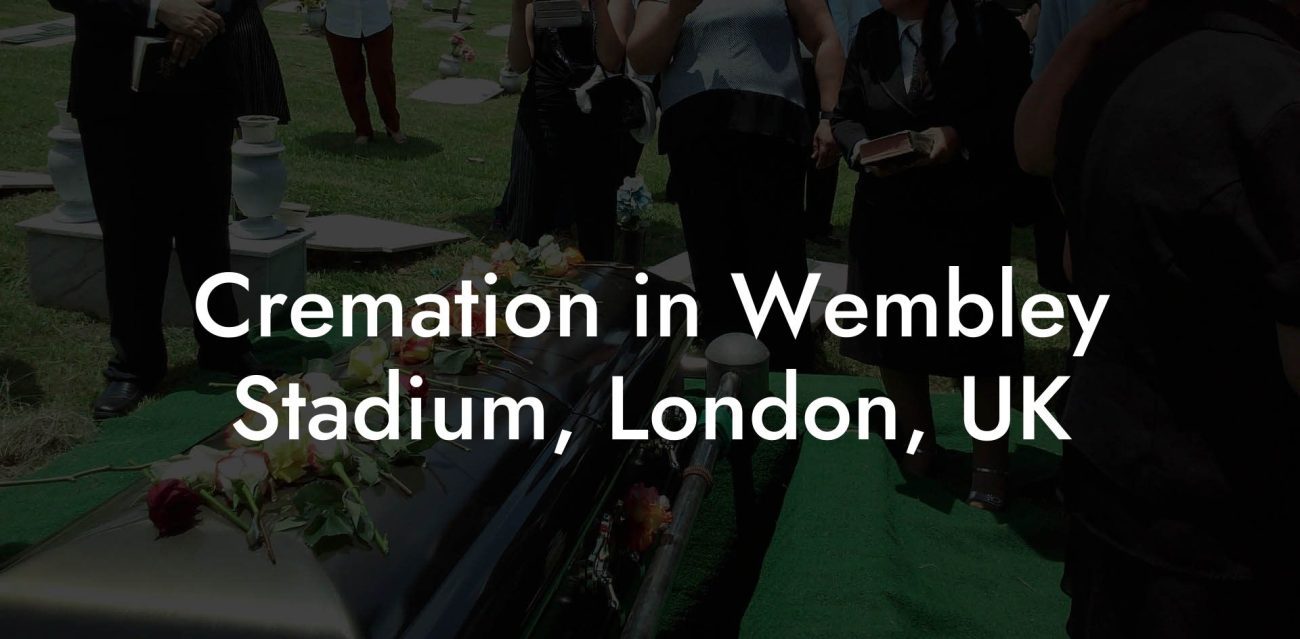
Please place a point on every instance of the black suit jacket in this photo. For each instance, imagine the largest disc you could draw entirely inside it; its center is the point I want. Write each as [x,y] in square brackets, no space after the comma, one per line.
[102,60]
[977,90]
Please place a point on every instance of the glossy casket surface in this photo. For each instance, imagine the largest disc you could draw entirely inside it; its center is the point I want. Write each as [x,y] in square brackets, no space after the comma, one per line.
[475,551]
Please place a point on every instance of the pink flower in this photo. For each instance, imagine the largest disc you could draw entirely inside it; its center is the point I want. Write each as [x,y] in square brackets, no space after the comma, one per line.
[416,392]
[416,350]
[646,514]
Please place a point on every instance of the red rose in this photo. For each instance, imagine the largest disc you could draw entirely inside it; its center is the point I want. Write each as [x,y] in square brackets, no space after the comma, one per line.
[173,507]
[417,392]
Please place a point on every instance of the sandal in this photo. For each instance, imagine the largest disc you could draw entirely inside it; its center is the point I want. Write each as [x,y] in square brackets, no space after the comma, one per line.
[986,500]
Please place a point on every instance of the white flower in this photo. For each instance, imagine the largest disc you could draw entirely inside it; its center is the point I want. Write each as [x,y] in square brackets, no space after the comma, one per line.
[504,252]
[474,271]
[633,184]
[321,385]
[545,241]
[366,363]
[327,451]
[197,468]
[246,465]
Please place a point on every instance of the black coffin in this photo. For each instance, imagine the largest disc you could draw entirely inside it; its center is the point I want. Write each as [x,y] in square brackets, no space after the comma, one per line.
[476,551]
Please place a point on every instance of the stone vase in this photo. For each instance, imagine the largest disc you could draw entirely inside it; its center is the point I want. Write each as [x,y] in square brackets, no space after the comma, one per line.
[66,162]
[258,181]
[258,129]
[510,81]
[449,66]
[315,19]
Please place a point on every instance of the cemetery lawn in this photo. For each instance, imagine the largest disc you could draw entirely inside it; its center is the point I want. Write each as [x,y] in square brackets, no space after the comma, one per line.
[450,175]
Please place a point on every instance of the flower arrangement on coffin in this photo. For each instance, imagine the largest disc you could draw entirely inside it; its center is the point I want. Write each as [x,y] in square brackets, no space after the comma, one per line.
[249,476]
[284,484]
[645,514]
[473,347]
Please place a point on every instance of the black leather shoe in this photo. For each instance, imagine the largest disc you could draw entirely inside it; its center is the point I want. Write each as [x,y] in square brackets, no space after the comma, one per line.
[240,366]
[118,399]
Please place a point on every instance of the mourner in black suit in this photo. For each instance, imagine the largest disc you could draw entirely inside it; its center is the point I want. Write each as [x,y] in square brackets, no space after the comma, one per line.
[954,71]
[159,168]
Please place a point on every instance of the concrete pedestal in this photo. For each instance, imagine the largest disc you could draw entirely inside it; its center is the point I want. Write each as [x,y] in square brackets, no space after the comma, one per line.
[65,270]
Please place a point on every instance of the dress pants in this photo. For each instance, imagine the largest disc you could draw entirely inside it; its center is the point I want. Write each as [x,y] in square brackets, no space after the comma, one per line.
[160,178]
[741,202]
[352,58]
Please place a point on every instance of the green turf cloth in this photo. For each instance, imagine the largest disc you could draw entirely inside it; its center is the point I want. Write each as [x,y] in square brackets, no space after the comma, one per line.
[860,552]
[187,415]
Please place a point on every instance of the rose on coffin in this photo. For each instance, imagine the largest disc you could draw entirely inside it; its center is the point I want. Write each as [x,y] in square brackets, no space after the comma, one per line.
[258,181]
[66,162]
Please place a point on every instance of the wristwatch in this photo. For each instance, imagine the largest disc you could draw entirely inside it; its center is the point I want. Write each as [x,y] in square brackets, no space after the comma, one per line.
[825,115]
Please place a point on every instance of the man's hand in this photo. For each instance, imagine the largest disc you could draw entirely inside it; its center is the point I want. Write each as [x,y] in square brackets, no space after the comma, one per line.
[191,18]
[184,49]
[825,152]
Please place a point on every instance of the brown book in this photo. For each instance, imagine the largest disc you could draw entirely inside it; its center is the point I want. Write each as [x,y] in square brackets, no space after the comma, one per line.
[900,147]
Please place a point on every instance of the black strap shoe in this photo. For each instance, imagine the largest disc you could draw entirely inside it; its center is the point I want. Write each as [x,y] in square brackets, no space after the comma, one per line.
[118,399]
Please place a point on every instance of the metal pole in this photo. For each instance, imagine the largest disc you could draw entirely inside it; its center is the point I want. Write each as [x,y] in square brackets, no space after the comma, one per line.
[644,618]
[737,367]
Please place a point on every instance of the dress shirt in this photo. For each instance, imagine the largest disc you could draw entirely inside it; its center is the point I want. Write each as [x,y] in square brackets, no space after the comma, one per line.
[357,18]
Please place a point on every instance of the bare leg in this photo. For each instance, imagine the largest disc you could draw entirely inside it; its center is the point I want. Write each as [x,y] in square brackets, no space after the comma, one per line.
[993,455]
[910,393]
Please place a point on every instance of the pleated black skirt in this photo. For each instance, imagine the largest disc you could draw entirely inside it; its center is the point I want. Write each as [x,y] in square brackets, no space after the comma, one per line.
[259,85]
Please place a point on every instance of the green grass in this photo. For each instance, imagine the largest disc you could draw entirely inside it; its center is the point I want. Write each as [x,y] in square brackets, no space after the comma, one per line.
[450,176]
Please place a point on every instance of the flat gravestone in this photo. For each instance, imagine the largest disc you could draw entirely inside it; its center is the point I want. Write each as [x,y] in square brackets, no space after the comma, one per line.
[499,31]
[448,25]
[834,280]
[284,7]
[359,234]
[41,34]
[461,91]
[22,181]
[65,270]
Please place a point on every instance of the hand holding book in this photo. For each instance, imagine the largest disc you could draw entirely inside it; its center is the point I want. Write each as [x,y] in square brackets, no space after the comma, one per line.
[899,152]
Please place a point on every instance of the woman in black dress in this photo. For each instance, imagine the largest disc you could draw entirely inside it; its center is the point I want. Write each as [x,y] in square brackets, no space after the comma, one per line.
[258,82]
[575,170]
[955,72]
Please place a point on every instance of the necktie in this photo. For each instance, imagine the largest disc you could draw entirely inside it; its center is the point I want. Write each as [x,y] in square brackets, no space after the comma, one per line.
[920,89]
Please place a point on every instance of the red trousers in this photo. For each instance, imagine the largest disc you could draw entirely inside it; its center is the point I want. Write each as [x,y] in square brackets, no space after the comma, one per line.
[352,57]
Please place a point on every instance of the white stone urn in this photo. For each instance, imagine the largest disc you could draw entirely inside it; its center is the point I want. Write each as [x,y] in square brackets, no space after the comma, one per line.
[466,8]
[258,181]
[66,163]
[449,66]
[510,81]
[258,129]
[315,18]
